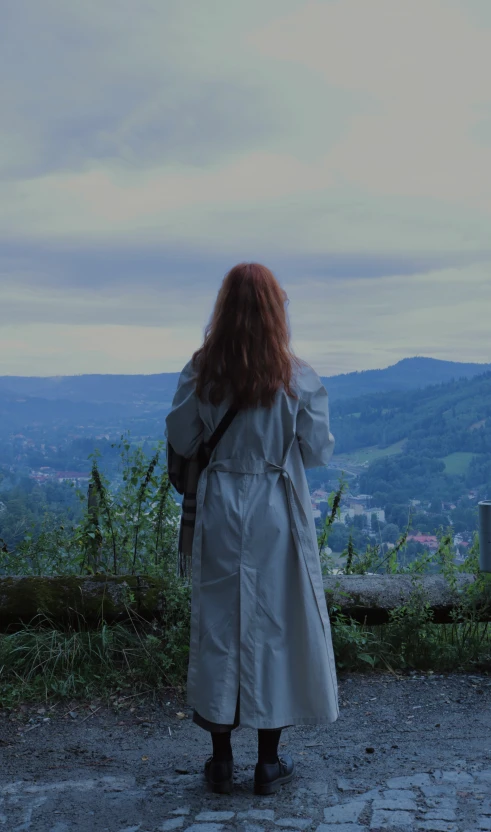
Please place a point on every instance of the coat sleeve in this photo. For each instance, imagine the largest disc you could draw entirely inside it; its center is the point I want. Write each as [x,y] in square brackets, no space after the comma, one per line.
[314,436]
[184,428]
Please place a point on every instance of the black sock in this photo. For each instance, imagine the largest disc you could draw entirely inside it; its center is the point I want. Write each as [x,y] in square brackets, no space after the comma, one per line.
[222,747]
[267,745]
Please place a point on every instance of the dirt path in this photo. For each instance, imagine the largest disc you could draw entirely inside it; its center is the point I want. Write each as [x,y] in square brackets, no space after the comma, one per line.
[139,768]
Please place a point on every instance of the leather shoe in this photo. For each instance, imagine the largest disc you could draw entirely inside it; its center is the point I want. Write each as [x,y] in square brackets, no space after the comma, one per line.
[220,775]
[269,777]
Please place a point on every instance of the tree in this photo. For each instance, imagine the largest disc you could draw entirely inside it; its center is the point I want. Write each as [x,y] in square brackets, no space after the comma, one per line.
[391,533]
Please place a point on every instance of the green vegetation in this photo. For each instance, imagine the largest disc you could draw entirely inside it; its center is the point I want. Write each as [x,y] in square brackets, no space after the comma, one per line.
[363,455]
[437,422]
[41,662]
[134,531]
[458,463]
[432,445]
[410,639]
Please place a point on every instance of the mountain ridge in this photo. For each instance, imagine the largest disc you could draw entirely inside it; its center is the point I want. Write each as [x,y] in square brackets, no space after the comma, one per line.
[407,374]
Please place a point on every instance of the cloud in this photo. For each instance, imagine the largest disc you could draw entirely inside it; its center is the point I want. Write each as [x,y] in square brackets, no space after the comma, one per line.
[367,324]
[60,349]
[146,148]
[175,123]
[141,84]
[338,325]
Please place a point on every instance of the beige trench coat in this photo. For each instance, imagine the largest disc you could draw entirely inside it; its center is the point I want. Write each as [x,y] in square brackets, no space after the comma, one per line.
[259,619]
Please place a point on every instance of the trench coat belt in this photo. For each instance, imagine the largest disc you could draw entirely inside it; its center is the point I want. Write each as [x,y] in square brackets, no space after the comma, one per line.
[260,466]
[298,516]
[253,467]
[245,466]
[263,466]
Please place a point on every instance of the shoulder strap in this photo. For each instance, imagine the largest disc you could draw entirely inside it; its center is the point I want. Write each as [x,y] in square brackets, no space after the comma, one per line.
[221,428]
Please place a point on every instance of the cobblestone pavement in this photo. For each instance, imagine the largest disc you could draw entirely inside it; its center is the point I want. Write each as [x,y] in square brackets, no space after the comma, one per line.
[453,800]
[406,754]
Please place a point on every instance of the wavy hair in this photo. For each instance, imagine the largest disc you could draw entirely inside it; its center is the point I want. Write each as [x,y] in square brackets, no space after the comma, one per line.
[246,353]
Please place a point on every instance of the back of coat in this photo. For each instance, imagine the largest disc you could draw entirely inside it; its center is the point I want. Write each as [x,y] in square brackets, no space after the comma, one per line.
[259,622]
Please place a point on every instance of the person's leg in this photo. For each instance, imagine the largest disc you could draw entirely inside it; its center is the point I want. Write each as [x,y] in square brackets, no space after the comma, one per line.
[267,745]
[271,771]
[222,747]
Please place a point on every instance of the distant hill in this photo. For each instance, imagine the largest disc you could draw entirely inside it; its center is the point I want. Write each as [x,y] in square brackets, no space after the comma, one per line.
[96,388]
[436,421]
[410,439]
[429,444]
[408,374]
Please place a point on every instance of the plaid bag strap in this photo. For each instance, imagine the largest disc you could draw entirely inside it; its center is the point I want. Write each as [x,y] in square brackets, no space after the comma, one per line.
[176,469]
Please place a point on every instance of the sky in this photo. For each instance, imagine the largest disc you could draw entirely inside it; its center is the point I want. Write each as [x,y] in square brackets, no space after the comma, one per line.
[146,146]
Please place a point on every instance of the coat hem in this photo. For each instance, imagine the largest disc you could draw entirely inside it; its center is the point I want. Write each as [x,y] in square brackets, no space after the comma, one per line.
[284,721]
[288,722]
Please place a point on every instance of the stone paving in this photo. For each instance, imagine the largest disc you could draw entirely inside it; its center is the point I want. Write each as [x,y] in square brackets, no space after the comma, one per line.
[406,753]
[454,800]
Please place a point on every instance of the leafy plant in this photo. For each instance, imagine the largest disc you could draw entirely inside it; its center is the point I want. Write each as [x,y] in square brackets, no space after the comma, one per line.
[132,530]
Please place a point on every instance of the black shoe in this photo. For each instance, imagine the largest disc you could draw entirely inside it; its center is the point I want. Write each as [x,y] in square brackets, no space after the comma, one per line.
[268,777]
[220,775]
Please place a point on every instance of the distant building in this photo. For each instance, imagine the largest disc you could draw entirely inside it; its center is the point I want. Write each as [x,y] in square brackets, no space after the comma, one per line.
[347,512]
[319,495]
[378,512]
[40,478]
[358,512]
[460,543]
[72,476]
[359,502]
[428,540]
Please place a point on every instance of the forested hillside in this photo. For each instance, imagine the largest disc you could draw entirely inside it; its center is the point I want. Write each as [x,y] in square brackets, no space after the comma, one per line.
[437,421]
[430,444]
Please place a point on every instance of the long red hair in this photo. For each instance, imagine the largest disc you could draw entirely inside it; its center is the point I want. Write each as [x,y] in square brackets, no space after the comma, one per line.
[246,351]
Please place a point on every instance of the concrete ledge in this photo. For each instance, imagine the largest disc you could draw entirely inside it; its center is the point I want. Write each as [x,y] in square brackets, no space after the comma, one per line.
[372,597]
[85,601]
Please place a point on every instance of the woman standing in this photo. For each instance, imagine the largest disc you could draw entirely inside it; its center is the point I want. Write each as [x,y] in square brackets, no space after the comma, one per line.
[261,652]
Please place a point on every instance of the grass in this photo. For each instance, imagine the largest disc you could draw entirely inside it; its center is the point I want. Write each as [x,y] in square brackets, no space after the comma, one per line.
[42,663]
[458,463]
[372,453]
[410,642]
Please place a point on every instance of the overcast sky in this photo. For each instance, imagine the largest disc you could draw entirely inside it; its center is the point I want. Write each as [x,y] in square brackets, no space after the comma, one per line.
[146,146]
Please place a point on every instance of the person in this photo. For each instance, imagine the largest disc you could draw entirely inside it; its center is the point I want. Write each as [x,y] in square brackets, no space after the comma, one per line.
[261,651]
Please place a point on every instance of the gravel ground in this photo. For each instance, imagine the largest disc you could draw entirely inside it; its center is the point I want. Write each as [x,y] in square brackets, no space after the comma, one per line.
[409,752]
